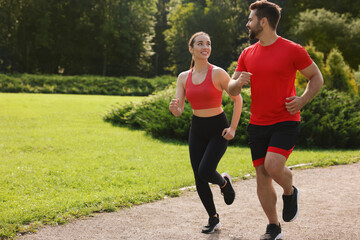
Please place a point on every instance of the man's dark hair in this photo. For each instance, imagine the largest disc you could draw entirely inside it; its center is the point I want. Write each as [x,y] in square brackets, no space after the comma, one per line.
[267,9]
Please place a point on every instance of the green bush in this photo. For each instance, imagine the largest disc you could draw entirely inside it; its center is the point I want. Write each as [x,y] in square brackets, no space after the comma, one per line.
[127,86]
[338,75]
[241,137]
[357,78]
[330,120]
[153,116]
[318,57]
[231,69]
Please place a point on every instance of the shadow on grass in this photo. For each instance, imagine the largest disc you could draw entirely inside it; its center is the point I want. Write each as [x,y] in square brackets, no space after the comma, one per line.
[172,141]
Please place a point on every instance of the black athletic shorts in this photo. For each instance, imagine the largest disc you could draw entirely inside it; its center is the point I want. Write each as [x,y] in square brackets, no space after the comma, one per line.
[279,138]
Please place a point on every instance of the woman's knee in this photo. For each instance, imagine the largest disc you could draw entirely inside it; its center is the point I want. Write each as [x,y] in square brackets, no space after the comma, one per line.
[205,174]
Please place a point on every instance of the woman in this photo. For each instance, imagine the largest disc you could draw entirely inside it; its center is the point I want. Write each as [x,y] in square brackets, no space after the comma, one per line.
[203,86]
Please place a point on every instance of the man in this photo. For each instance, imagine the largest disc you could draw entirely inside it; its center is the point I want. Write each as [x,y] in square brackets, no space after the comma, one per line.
[270,65]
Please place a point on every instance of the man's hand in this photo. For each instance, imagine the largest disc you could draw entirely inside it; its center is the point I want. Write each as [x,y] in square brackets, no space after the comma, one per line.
[294,104]
[244,79]
[238,81]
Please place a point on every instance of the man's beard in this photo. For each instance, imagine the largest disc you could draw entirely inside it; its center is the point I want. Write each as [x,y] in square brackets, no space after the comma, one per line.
[255,32]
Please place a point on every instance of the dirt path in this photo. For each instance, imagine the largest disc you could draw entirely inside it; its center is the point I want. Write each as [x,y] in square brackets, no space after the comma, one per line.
[329,209]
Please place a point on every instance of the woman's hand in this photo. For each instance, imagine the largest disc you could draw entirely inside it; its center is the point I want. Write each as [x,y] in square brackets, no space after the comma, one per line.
[174,107]
[228,133]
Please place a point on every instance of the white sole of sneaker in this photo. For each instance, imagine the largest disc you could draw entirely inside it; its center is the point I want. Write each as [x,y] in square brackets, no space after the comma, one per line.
[279,236]
[297,195]
[216,228]
[227,175]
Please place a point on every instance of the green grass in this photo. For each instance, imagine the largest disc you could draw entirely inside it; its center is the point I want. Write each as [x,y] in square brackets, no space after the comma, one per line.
[59,160]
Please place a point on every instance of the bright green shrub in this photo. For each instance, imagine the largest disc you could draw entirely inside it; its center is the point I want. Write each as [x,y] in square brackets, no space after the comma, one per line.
[231,69]
[318,57]
[128,86]
[241,137]
[137,86]
[338,75]
[330,120]
[328,30]
[154,117]
[357,78]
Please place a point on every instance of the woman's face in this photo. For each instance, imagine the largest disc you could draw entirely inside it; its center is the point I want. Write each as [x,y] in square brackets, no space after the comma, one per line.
[201,48]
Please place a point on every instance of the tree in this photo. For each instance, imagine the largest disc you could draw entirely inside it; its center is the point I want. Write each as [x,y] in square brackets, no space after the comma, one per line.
[108,37]
[25,33]
[357,77]
[318,58]
[338,74]
[292,8]
[328,30]
[218,18]
[161,56]
[9,11]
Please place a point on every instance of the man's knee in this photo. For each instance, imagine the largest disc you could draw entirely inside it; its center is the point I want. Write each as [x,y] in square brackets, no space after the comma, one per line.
[262,176]
[274,163]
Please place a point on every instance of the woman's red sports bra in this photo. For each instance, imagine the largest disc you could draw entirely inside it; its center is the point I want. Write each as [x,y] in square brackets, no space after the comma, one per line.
[203,95]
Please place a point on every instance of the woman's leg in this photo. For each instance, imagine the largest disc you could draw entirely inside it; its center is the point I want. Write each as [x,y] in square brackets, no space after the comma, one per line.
[211,158]
[206,147]
[197,148]
[204,160]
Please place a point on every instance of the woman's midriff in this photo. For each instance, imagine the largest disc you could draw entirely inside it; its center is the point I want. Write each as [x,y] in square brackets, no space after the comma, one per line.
[209,112]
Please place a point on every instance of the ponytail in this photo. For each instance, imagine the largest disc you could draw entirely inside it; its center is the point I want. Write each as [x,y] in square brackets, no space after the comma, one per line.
[192,63]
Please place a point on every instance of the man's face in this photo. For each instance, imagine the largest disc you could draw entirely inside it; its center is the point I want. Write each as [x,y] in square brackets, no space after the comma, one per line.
[253,25]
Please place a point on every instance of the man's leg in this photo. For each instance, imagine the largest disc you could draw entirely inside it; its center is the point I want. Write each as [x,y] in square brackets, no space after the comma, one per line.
[266,194]
[275,167]
[282,143]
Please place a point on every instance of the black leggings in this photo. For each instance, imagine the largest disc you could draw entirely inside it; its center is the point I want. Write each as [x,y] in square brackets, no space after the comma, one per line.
[207,146]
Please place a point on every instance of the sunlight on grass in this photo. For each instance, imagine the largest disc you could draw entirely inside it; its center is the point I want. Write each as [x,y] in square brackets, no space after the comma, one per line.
[60,160]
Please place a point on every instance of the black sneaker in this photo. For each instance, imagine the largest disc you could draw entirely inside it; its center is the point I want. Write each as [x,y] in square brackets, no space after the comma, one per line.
[213,225]
[228,191]
[291,206]
[273,232]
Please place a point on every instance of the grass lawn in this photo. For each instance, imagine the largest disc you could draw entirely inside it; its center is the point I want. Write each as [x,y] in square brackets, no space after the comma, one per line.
[59,160]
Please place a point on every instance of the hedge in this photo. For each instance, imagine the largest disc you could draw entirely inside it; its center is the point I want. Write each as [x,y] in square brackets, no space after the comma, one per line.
[331,120]
[127,86]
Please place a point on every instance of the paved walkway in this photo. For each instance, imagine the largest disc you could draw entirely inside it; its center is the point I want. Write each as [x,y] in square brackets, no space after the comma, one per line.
[329,209]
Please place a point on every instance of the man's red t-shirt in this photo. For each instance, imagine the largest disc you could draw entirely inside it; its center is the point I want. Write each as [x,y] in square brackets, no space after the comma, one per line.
[273,71]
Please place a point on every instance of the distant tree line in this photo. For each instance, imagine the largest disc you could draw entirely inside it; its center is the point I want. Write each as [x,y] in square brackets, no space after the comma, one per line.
[148,38]
[100,37]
